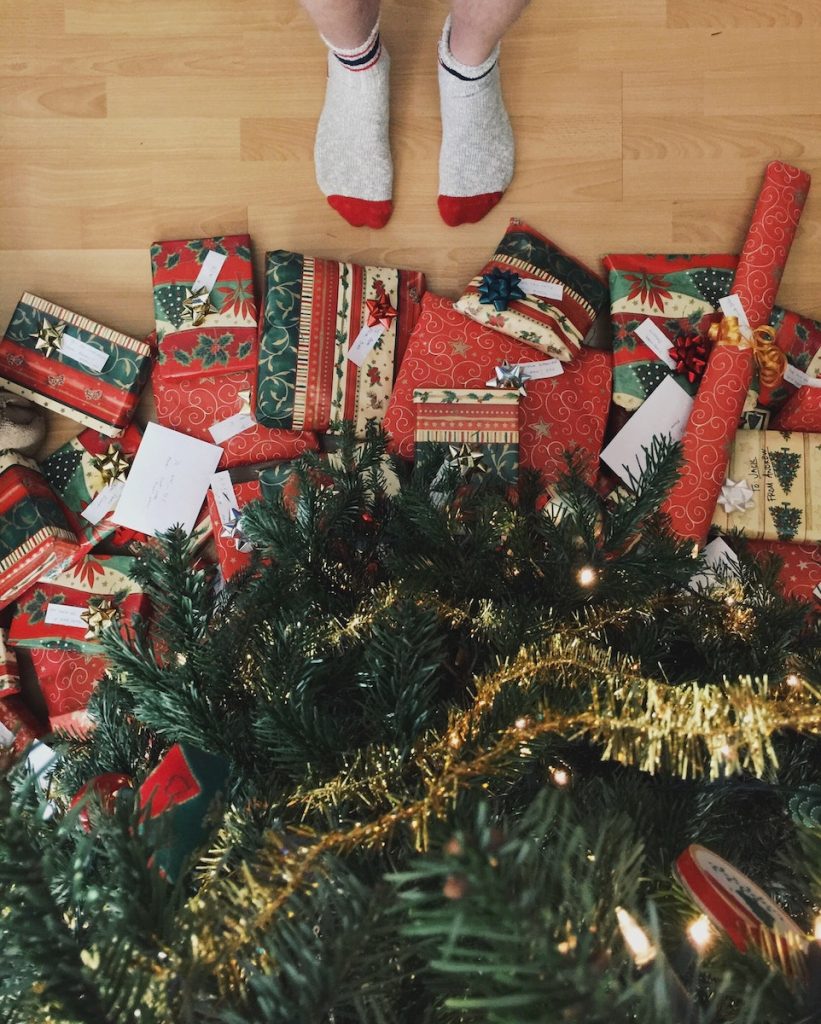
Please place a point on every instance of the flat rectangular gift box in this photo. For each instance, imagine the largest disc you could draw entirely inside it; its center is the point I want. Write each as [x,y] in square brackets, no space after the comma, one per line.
[332,336]
[37,532]
[72,365]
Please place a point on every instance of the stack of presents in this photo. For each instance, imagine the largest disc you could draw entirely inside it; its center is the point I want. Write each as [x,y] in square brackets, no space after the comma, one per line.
[540,355]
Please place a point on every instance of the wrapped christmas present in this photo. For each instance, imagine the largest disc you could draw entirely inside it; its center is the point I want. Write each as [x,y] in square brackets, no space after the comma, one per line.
[800,574]
[9,672]
[74,608]
[19,728]
[332,337]
[802,409]
[206,315]
[67,680]
[531,290]
[37,532]
[773,487]
[74,366]
[741,338]
[479,426]
[565,405]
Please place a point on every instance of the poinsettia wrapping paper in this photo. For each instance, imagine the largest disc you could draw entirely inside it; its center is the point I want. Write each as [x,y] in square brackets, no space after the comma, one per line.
[43,357]
[37,531]
[67,679]
[802,410]
[448,350]
[783,474]
[800,574]
[556,326]
[484,420]
[9,672]
[96,581]
[314,312]
[721,396]
[80,469]
[20,727]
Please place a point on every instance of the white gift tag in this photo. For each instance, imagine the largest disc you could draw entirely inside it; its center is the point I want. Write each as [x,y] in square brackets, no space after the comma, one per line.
[6,737]
[105,501]
[657,341]
[41,761]
[225,496]
[543,289]
[717,553]
[94,358]
[209,271]
[541,369]
[799,379]
[731,306]
[65,615]
[365,341]
[224,430]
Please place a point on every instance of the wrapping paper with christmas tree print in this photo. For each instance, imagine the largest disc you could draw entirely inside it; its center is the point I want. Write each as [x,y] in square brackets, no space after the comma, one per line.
[448,350]
[37,532]
[487,421]
[9,673]
[67,680]
[679,295]
[721,397]
[783,471]
[315,310]
[556,325]
[800,574]
[73,366]
[83,467]
[802,410]
[178,800]
[19,728]
[267,482]
[100,581]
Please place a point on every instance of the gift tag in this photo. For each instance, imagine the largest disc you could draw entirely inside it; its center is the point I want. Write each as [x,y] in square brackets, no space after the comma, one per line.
[104,502]
[225,496]
[657,341]
[209,271]
[542,289]
[717,553]
[41,761]
[70,615]
[541,369]
[365,341]
[799,379]
[81,352]
[731,306]
[224,430]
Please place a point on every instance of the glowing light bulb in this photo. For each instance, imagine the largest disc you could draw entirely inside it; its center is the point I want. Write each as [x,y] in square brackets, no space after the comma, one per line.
[700,932]
[560,776]
[635,938]
[817,929]
[586,576]
[521,723]
[793,680]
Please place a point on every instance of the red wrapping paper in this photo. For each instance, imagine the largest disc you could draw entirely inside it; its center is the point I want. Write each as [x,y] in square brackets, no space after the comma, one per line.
[15,718]
[447,349]
[800,573]
[720,400]
[9,673]
[67,679]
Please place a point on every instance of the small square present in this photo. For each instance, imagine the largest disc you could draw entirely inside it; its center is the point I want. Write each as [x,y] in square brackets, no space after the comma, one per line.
[480,428]
[37,532]
[773,487]
[9,672]
[74,608]
[67,679]
[88,472]
[331,340]
[73,366]
[533,291]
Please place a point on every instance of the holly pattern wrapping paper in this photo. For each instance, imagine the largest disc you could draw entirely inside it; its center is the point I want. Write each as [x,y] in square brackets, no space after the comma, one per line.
[315,310]
[67,680]
[72,609]
[9,672]
[37,532]
[777,477]
[448,350]
[73,366]
[481,425]
[720,399]
[567,301]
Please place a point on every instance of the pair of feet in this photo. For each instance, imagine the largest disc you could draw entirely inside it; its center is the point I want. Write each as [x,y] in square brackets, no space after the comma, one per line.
[352,151]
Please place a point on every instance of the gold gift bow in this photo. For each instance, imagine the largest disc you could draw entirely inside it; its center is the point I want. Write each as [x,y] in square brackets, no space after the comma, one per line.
[771,360]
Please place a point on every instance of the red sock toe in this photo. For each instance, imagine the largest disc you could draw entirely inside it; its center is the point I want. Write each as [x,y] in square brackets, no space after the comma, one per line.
[362,213]
[456,210]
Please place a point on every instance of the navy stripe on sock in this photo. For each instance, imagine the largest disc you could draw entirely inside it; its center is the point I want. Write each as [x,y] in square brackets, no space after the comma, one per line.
[367,58]
[467,78]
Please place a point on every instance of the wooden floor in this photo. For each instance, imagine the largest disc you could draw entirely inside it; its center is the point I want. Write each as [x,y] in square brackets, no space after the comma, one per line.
[641,125]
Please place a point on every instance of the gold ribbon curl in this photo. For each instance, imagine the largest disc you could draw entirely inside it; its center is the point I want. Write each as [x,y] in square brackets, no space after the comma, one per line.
[771,360]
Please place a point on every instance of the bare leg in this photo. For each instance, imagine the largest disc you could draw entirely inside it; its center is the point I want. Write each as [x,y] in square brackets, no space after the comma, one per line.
[343,23]
[476,26]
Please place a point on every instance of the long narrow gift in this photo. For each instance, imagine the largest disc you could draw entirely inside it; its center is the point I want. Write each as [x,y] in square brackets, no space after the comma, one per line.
[741,334]
[73,366]
[332,336]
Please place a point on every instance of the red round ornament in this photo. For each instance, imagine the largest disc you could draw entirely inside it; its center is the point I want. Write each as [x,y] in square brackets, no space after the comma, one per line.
[105,787]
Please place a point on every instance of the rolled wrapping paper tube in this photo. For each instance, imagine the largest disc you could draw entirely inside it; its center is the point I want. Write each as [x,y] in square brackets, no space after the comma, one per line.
[720,400]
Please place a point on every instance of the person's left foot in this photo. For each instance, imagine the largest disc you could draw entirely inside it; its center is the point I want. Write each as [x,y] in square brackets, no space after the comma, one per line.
[476,156]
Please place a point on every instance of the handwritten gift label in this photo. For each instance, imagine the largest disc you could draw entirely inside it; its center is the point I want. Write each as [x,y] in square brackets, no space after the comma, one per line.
[365,341]
[70,615]
[657,341]
[81,352]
